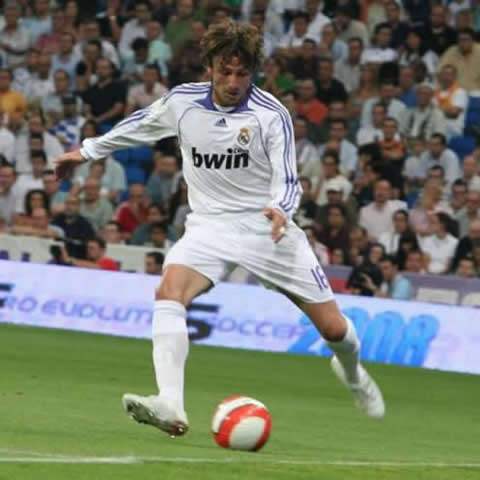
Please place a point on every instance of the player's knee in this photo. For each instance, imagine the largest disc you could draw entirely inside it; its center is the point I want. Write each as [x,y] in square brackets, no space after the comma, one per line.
[166,291]
[335,329]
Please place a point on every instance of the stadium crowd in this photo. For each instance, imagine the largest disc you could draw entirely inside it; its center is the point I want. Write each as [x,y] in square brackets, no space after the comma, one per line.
[382,93]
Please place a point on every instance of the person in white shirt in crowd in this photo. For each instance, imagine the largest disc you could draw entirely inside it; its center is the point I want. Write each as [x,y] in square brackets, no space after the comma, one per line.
[439,248]
[377,216]
[412,174]
[51,145]
[133,29]
[425,119]
[347,151]
[274,10]
[438,154]
[52,104]
[330,46]
[390,240]
[91,31]
[380,51]
[40,22]
[257,19]
[470,173]
[68,130]
[306,151]
[11,198]
[395,108]
[330,178]
[452,100]
[66,59]
[349,28]
[26,72]
[347,70]
[41,84]
[143,95]
[415,50]
[7,141]
[317,19]
[373,133]
[14,38]
[33,180]
[291,43]
[471,213]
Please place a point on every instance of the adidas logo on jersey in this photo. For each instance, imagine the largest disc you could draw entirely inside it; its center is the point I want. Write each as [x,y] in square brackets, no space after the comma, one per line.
[221,123]
[234,158]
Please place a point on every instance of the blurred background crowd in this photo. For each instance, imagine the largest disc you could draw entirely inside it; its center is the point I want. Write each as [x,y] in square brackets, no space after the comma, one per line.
[384,100]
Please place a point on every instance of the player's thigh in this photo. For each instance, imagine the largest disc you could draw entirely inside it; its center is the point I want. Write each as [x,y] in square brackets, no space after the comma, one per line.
[181,284]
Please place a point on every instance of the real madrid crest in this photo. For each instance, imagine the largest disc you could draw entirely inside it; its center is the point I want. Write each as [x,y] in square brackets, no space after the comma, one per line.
[244,136]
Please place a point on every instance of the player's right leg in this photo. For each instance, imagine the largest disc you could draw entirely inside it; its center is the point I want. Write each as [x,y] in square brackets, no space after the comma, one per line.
[179,286]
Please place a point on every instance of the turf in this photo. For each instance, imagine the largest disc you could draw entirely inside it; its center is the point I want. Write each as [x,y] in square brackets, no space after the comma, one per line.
[60,398]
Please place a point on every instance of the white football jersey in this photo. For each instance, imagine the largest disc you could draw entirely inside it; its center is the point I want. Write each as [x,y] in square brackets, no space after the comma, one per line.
[238,161]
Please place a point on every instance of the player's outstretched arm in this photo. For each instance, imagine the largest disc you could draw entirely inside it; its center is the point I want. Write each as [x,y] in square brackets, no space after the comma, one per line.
[66,162]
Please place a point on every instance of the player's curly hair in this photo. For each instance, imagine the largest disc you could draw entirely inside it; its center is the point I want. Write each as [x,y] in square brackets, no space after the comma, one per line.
[232,39]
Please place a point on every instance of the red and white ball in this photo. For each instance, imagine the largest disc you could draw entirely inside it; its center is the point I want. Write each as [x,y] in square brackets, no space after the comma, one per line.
[241,423]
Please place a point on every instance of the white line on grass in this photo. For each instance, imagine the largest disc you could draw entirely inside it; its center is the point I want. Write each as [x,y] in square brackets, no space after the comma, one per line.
[130,460]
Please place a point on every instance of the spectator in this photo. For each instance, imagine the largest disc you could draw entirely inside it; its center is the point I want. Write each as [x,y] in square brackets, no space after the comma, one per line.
[134,28]
[307,208]
[49,41]
[318,248]
[161,181]
[159,51]
[376,217]
[439,248]
[380,51]
[373,133]
[91,31]
[408,242]
[10,100]
[465,57]
[347,69]
[439,154]
[159,236]
[308,105]
[412,174]
[112,233]
[14,38]
[276,80]
[304,64]
[406,84]
[439,36]
[458,198]
[416,50]
[395,108]
[470,173]
[390,240]
[105,101]
[306,152]
[155,214]
[86,70]
[66,59]
[179,208]
[472,212]
[330,46]
[154,263]
[179,26]
[425,119]
[414,262]
[41,83]
[71,17]
[393,152]
[11,197]
[366,278]
[329,89]
[51,186]
[394,285]
[347,151]
[291,43]
[399,28]
[331,179]
[337,110]
[96,258]
[50,144]
[257,19]
[133,67]
[452,100]
[317,19]
[467,268]
[367,90]
[359,241]
[33,180]
[7,142]
[336,233]
[467,242]
[52,104]
[41,21]
[39,227]
[96,209]
[133,212]
[77,229]
[348,27]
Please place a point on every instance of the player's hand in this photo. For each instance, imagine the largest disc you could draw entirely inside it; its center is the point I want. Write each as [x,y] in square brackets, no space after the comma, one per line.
[279,222]
[65,163]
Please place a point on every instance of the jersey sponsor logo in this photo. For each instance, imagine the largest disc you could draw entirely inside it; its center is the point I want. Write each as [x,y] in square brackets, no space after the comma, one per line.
[234,158]
[221,123]
[244,136]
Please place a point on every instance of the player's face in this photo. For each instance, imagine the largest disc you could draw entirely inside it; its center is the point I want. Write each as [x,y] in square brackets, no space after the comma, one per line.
[230,79]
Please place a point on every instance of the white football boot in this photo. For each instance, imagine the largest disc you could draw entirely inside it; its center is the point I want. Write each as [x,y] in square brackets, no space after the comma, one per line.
[156,411]
[368,396]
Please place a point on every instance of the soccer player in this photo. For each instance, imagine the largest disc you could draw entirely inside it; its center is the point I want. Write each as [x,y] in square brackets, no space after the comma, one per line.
[239,163]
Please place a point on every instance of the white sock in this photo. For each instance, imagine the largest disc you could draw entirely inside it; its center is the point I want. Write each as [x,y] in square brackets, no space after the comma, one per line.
[170,349]
[347,351]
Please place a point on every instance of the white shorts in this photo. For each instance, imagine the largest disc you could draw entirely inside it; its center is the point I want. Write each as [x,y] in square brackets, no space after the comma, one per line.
[215,246]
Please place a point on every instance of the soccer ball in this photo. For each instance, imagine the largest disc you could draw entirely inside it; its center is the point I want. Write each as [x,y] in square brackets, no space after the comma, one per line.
[241,423]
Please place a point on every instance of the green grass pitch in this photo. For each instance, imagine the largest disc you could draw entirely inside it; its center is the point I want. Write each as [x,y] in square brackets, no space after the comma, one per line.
[60,406]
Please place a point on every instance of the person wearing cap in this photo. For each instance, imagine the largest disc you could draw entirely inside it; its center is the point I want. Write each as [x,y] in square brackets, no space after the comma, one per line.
[425,119]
